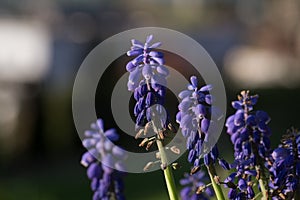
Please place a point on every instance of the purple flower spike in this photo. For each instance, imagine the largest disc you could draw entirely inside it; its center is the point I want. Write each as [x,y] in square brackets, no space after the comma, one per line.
[148,82]
[284,164]
[194,118]
[250,135]
[103,177]
[147,61]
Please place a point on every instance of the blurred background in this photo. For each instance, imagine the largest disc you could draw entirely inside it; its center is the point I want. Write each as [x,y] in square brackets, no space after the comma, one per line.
[255,44]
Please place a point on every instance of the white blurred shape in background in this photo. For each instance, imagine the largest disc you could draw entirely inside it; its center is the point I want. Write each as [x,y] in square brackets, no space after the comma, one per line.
[255,67]
[25,53]
[24,50]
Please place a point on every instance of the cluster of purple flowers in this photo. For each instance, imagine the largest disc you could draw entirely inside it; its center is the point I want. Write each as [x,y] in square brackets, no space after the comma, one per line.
[106,182]
[194,117]
[243,188]
[145,98]
[250,136]
[276,173]
[284,167]
[194,187]
[148,65]
[147,80]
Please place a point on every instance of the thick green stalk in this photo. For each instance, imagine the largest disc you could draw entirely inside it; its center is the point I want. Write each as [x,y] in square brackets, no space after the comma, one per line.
[217,188]
[262,180]
[263,189]
[164,160]
[167,172]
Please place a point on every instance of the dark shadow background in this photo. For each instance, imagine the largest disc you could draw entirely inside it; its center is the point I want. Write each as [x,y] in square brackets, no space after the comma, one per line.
[256,46]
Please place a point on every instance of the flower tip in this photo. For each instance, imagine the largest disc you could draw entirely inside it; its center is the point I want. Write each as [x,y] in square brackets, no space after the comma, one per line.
[84,163]
[206,88]
[137,43]
[155,45]
[237,105]
[130,66]
[112,135]
[194,81]
[149,38]
[100,124]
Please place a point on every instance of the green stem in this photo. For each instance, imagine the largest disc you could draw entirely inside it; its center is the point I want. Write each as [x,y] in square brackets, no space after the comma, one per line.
[217,188]
[262,180]
[164,161]
[167,172]
[263,189]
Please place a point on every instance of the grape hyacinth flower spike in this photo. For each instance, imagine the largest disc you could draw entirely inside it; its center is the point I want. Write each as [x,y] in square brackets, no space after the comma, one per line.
[284,167]
[250,136]
[106,182]
[147,66]
[147,80]
[194,117]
